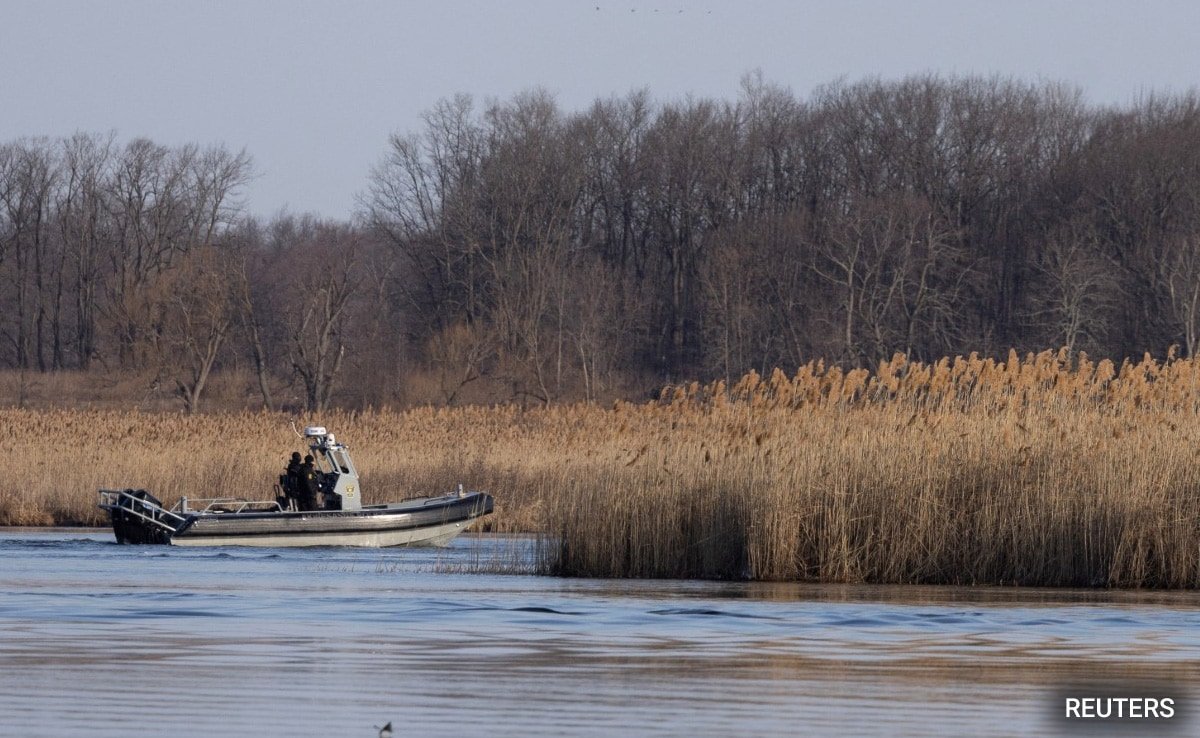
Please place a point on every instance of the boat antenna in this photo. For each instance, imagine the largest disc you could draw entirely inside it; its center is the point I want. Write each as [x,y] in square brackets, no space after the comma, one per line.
[296,431]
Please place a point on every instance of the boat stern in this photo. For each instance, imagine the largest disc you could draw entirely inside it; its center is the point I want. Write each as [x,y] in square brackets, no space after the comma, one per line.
[138,517]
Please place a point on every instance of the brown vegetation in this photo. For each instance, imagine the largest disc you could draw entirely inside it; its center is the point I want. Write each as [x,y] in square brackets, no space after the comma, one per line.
[1038,472]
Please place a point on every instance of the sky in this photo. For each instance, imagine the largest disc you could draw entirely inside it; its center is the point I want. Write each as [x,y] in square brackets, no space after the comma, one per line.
[312,90]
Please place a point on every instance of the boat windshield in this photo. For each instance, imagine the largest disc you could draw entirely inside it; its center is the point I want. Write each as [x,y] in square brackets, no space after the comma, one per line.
[339,460]
[334,460]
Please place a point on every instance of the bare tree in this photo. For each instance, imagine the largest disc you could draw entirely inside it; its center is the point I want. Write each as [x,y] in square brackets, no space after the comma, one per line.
[252,295]
[199,316]
[30,170]
[165,202]
[458,355]
[82,230]
[324,278]
[1177,276]
[422,200]
[693,146]
[1080,288]
[528,238]
[847,259]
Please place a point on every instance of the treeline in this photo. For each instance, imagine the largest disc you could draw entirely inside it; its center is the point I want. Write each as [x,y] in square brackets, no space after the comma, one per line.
[518,251]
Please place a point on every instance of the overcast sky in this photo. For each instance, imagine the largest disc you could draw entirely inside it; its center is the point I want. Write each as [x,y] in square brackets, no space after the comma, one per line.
[313,89]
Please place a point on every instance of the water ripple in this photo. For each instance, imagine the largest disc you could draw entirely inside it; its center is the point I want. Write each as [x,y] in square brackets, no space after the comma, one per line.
[331,642]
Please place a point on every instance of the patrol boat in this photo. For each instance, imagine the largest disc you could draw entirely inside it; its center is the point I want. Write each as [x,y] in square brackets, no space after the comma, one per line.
[139,517]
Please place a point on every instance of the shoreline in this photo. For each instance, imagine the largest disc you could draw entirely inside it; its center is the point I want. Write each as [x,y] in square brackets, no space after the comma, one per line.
[1033,472]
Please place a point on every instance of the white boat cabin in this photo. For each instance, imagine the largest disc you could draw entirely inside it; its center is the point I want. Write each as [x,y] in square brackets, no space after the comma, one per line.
[333,460]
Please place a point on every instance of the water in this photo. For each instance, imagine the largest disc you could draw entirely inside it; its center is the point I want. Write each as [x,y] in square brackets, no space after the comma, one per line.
[104,640]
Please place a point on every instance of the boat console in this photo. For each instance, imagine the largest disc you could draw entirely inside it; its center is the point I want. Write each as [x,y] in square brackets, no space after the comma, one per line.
[338,471]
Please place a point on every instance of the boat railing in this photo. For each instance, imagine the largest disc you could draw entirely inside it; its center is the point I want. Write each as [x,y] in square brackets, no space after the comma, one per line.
[130,503]
[225,505]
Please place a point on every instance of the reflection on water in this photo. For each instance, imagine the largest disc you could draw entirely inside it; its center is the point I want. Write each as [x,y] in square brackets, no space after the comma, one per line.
[104,640]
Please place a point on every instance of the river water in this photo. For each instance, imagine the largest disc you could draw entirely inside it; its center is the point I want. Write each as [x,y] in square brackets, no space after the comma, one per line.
[98,639]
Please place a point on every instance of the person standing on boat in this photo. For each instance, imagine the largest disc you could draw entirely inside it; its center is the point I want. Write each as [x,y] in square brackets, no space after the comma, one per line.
[292,486]
[310,486]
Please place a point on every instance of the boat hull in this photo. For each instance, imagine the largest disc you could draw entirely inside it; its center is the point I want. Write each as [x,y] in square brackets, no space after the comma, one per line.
[433,521]
[435,535]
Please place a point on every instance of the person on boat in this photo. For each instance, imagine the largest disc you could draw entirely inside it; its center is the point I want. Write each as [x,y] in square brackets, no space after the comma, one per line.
[292,488]
[310,486]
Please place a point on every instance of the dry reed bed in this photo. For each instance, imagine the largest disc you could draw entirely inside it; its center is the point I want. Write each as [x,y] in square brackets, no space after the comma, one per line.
[1037,471]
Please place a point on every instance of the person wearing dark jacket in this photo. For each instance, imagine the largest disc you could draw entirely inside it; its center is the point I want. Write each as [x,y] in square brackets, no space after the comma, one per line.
[310,486]
[293,475]
[290,482]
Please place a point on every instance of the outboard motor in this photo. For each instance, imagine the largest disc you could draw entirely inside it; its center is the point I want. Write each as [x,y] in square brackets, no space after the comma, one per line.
[129,518]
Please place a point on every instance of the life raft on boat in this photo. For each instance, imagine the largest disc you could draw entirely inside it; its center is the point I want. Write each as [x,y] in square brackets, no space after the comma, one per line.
[140,518]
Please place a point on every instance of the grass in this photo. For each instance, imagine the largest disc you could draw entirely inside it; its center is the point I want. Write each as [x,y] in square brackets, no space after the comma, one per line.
[1034,471]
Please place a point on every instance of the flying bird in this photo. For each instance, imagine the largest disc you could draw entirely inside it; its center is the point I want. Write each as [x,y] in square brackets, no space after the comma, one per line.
[385,731]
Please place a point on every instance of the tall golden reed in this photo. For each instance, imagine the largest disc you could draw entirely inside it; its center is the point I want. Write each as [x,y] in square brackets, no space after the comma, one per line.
[1036,471]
